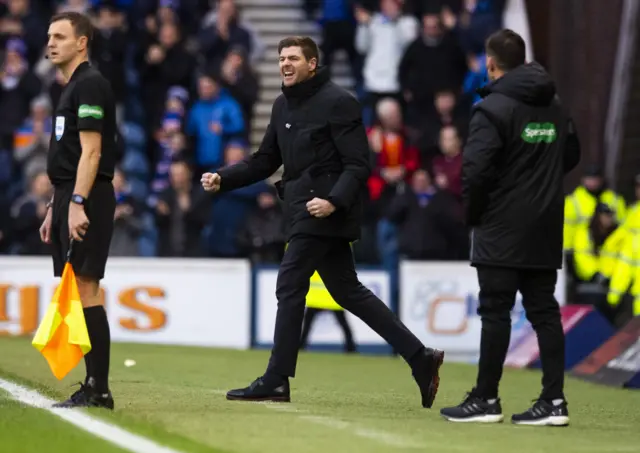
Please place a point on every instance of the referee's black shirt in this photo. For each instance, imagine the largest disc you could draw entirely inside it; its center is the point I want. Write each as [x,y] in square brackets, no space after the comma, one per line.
[86,104]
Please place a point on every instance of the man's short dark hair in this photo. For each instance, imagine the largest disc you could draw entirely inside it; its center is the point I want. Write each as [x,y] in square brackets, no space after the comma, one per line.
[507,48]
[308,46]
[81,24]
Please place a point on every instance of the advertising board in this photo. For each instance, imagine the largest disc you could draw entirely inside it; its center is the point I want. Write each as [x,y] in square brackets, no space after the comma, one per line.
[439,301]
[164,301]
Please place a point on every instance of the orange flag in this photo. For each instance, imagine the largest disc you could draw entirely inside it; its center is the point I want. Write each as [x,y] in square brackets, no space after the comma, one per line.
[62,336]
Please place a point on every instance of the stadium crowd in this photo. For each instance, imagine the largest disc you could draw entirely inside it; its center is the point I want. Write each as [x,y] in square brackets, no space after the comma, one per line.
[183,75]
[186,91]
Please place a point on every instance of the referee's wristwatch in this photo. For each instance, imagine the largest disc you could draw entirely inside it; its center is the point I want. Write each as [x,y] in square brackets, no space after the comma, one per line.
[77,199]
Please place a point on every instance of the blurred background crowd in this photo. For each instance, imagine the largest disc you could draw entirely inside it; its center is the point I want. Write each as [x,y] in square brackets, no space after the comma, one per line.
[183,72]
[189,77]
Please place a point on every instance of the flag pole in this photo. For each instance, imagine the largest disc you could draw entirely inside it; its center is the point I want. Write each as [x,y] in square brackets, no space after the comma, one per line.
[70,251]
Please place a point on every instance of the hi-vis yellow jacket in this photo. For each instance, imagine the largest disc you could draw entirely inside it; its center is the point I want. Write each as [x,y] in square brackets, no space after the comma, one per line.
[588,261]
[632,220]
[318,295]
[580,206]
[627,274]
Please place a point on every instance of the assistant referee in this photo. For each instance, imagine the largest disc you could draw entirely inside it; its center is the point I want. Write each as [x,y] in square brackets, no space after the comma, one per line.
[81,163]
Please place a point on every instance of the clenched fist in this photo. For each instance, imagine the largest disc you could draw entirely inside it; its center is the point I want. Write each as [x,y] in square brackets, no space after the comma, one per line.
[320,208]
[211,182]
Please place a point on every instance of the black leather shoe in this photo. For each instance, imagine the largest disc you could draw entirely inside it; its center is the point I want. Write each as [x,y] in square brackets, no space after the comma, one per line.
[87,396]
[426,375]
[260,390]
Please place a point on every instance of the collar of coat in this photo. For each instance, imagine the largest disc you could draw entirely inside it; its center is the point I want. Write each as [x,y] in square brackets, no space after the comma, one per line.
[308,87]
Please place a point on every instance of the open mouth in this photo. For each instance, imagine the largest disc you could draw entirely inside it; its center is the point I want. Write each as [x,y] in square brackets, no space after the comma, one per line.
[288,75]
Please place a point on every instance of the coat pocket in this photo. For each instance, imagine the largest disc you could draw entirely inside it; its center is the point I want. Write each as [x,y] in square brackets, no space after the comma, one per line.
[323,184]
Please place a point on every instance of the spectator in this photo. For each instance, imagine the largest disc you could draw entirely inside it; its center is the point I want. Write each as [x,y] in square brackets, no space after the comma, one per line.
[22,20]
[590,245]
[168,12]
[31,140]
[171,147]
[78,6]
[19,86]
[446,111]
[177,100]
[581,204]
[223,29]
[476,78]
[476,20]
[433,62]
[230,211]
[395,161]
[237,77]
[127,224]
[181,213]
[447,167]
[262,237]
[28,213]
[338,31]
[108,50]
[166,64]
[382,38]
[430,224]
[395,158]
[213,119]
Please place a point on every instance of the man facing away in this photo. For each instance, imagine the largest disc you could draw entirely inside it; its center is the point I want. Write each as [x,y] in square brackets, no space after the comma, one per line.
[520,146]
[316,132]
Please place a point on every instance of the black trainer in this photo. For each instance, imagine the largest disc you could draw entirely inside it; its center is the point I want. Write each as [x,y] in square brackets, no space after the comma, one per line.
[262,390]
[87,396]
[474,409]
[426,374]
[544,413]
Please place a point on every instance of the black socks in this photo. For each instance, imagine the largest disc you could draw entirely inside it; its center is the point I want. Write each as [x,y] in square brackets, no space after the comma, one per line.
[97,360]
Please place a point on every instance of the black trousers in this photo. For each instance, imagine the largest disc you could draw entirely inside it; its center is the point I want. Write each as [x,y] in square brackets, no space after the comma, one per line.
[310,315]
[333,260]
[498,287]
[89,257]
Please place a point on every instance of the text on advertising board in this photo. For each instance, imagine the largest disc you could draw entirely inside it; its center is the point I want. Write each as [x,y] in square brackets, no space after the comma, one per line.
[447,308]
[28,297]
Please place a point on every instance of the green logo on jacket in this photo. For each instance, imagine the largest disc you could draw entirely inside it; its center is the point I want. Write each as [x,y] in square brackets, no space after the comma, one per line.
[539,133]
[94,111]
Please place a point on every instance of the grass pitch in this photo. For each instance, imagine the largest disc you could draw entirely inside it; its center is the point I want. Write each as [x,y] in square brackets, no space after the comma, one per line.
[340,404]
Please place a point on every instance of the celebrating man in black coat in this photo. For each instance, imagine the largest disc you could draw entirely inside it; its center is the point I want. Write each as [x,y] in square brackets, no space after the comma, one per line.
[316,132]
[520,146]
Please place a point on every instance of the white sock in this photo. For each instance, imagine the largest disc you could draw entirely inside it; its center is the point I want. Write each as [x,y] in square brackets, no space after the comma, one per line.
[492,400]
[557,402]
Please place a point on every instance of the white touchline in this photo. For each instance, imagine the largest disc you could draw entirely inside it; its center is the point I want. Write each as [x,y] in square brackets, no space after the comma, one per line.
[371,434]
[112,433]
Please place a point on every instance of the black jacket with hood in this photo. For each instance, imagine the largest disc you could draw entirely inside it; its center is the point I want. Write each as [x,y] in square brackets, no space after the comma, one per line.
[521,144]
[316,133]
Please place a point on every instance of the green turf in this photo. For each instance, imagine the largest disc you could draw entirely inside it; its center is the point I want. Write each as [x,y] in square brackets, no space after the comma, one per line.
[24,429]
[341,403]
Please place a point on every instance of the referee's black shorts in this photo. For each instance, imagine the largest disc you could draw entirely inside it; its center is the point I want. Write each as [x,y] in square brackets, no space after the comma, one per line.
[89,257]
